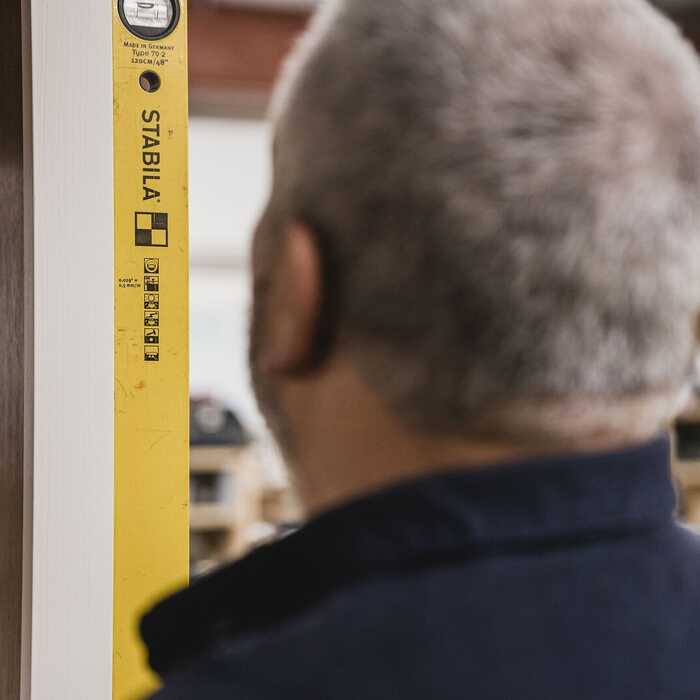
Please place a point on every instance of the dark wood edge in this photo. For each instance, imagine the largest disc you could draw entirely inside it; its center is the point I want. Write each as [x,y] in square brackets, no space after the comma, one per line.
[235,55]
[13,357]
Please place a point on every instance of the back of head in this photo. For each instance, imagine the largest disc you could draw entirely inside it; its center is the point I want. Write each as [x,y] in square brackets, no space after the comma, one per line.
[507,194]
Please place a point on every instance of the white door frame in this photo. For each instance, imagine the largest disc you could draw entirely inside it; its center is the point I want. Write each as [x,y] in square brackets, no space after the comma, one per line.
[73,461]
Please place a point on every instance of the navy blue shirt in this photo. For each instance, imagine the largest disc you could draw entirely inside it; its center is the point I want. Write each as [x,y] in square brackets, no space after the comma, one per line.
[553,579]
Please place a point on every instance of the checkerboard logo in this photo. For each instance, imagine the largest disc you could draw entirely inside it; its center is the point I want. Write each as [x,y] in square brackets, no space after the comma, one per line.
[151,229]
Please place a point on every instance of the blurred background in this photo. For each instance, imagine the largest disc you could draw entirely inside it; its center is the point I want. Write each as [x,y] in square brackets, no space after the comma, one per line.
[240,492]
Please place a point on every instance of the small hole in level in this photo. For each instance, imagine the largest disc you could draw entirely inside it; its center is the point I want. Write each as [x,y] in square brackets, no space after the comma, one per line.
[149,81]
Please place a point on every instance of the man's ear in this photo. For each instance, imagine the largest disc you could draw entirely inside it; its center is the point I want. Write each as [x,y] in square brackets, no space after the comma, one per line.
[297,297]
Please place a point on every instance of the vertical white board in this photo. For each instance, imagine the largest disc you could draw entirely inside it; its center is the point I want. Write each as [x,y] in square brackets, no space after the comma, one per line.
[73,479]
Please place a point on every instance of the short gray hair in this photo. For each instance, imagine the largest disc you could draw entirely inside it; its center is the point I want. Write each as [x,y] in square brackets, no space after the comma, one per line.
[509,192]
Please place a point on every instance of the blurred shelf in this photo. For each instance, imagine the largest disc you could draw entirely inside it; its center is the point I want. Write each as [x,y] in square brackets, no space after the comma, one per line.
[691,415]
[215,458]
[226,488]
[208,517]
[688,472]
[239,495]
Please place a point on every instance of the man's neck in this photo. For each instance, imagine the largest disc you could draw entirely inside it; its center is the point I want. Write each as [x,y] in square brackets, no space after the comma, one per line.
[345,449]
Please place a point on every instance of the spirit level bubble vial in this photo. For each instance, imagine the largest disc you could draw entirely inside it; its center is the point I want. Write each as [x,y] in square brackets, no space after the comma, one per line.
[149,19]
[151,529]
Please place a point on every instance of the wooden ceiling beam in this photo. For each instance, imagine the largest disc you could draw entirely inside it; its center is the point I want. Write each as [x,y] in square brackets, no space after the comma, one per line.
[236,53]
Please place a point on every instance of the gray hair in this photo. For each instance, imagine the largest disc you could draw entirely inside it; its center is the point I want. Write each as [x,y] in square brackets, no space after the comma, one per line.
[509,192]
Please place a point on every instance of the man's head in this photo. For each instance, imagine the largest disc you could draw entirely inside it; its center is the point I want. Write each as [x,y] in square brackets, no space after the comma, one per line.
[490,210]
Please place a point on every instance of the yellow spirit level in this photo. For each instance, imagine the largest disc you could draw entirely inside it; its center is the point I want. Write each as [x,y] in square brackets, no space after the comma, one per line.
[151,316]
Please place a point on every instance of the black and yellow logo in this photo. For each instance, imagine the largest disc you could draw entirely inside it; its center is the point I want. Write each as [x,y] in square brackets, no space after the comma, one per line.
[151,229]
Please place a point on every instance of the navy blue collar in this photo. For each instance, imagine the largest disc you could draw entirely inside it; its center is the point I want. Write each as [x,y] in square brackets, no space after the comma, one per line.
[459,514]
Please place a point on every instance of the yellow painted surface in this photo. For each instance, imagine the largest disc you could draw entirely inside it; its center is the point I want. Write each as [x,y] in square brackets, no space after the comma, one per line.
[151,382]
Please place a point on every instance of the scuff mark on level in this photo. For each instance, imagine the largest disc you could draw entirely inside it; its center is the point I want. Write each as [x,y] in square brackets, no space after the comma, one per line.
[122,387]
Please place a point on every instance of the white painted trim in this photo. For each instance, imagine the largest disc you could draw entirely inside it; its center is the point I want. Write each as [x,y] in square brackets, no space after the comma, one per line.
[74,347]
